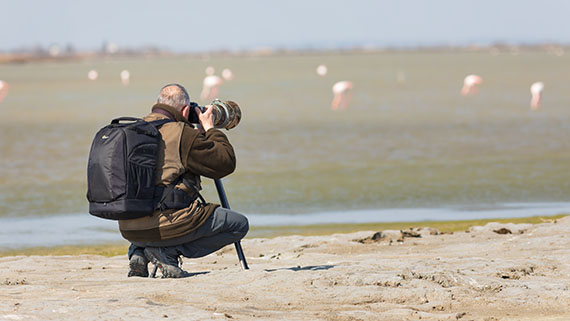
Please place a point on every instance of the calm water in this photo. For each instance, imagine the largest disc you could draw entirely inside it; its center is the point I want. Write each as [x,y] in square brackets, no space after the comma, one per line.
[417,144]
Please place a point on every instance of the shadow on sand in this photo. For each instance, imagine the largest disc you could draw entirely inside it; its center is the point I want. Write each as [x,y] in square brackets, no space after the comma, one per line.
[304,268]
[153,275]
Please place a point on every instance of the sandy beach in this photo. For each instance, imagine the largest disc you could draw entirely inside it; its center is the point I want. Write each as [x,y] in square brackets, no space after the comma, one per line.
[493,272]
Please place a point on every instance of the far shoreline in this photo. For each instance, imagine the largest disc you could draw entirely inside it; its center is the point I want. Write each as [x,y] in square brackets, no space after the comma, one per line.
[110,249]
[42,55]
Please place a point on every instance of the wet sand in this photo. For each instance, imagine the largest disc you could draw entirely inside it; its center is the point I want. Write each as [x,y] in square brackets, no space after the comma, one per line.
[495,272]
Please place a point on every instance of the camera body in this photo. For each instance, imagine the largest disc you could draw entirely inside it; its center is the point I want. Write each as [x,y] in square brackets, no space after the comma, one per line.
[227,114]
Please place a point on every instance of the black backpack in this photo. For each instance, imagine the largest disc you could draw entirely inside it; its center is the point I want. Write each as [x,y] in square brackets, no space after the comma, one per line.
[121,170]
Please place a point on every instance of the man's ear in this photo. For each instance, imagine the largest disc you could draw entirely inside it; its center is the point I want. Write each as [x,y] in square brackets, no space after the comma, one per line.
[185,111]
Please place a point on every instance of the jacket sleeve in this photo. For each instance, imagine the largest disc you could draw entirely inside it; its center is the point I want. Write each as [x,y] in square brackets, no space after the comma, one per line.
[210,155]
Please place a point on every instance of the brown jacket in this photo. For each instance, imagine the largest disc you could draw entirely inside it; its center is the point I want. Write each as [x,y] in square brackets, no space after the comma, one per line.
[184,151]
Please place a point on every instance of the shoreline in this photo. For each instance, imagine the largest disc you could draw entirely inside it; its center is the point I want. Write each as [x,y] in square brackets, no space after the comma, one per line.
[85,229]
[499,271]
[120,247]
[32,56]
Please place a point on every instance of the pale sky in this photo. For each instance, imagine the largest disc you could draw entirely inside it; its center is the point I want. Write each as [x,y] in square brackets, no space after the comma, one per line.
[247,24]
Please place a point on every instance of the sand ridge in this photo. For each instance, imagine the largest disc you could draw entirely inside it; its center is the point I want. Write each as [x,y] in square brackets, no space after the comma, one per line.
[495,272]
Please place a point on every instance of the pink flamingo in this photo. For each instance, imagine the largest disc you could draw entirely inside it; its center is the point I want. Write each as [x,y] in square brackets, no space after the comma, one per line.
[322,70]
[211,87]
[470,84]
[227,74]
[3,90]
[92,74]
[210,71]
[125,77]
[342,91]
[536,92]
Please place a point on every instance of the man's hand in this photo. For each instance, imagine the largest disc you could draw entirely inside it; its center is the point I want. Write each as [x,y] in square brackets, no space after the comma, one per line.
[206,118]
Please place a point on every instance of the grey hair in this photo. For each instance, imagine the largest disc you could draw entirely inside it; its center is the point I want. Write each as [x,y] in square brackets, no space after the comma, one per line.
[174,95]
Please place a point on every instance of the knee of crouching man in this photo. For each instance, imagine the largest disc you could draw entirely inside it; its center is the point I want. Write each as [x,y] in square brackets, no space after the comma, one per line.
[243,226]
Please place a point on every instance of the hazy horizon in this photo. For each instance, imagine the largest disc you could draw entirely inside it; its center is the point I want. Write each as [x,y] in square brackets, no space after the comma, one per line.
[181,26]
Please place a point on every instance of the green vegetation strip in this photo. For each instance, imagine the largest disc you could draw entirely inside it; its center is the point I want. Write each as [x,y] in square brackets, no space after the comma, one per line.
[442,226]
[109,249]
[114,249]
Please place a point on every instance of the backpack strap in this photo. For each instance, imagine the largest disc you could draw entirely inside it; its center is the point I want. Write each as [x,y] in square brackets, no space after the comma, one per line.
[161,204]
[160,122]
[165,193]
[155,123]
[168,195]
[192,187]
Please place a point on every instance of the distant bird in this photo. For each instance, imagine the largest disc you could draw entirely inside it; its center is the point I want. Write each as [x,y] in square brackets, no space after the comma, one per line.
[470,84]
[125,77]
[401,78]
[342,92]
[3,90]
[536,90]
[211,87]
[322,70]
[92,74]
[227,74]
[210,70]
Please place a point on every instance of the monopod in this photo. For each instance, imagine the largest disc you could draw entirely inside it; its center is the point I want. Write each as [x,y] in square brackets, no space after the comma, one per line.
[225,204]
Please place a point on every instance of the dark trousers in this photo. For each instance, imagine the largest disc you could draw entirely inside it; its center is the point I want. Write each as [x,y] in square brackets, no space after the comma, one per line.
[223,227]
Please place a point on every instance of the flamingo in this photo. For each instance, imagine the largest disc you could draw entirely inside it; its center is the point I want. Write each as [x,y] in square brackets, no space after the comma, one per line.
[3,90]
[401,78]
[470,84]
[125,77]
[536,92]
[342,91]
[211,87]
[322,70]
[92,74]
[227,74]
[210,71]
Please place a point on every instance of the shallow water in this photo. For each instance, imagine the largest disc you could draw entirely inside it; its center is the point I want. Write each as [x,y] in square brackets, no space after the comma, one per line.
[84,229]
[417,144]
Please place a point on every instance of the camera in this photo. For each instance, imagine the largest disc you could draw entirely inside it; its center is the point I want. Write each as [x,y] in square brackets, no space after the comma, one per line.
[227,114]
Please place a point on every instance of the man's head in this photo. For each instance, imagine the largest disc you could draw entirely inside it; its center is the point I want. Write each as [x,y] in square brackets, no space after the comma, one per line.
[174,95]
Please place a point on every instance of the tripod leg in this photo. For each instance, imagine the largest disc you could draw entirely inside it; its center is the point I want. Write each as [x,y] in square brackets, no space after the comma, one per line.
[225,204]
[241,256]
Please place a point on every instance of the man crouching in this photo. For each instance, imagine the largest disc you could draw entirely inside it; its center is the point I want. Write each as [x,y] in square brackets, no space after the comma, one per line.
[186,226]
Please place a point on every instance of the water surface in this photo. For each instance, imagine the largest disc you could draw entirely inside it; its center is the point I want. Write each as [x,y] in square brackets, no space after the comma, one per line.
[417,144]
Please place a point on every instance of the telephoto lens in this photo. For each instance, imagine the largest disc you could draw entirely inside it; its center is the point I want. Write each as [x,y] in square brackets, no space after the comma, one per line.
[227,114]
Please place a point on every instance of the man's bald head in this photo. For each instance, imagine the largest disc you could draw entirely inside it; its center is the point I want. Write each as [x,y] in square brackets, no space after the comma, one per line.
[174,95]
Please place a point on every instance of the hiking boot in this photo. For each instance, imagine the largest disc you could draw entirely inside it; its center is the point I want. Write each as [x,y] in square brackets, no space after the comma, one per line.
[167,261]
[138,265]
